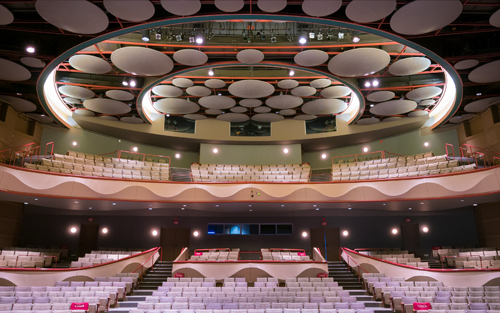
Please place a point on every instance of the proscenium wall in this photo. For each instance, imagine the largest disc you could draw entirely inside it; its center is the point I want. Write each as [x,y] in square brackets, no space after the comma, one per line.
[405,144]
[250,154]
[94,143]
[367,229]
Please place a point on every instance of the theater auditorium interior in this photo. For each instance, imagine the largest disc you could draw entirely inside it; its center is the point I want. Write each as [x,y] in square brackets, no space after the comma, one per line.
[249,156]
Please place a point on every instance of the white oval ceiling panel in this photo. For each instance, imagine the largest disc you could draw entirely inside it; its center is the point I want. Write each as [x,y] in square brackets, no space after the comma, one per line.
[181,7]
[391,119]
[250,56]
[250,103]
[311,57]
[176,106]
[287,112]
[284,102]
[481,105]
[305,117]
[130,10]
[424,93]
[217,102]
[238,109]
[336,92]
[121,95]
[418,113]
[487,73]
[251,89]
[6,17]
[215,83]
[83,112]
[12,71]
[368,121]
[366,11]
[198,91]
[409,66]
[303,91]
[267,117]
[495,18]
[324,106]
[229,5]
[421,17]
[131,120]
[271,6]
[142,61]
[33,62]
[233,117]
[190,57]
[89,64]
[195,117]
[380,96]
[76,92]
[106,106]
[262,109]
[427,103]
[77,16]
[70,100]
[320,83]
[466,64]
[213,111]
[320,7]
[108,118]
[393,107]
[18,104]
[42,118]
[167,91]
[288,83]
[182,82]
[359,62]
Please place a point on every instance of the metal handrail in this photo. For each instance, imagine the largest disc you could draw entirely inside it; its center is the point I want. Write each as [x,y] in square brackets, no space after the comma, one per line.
[348,265]
[356,155]
[144,155]
[453,149]
[150,258]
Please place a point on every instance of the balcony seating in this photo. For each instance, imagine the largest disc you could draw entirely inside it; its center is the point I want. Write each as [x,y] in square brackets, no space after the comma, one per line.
[217,255]
[486,257]
[30,257]
[257,173]
[284,256]
[410,166]
[98,257]
[78,163]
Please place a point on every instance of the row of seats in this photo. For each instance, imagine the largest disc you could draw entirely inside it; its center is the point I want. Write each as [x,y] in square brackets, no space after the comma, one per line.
[465,306]
[285,256]
[94,306]
[259,310]
[186,296]
[42,294]
[254,291]
[59,253]
[474,262]
[216,256]
[222,173]
[419,156]
[313,284]
[94,258]
[456,252]
[252,306]
[393,162]
[99,158]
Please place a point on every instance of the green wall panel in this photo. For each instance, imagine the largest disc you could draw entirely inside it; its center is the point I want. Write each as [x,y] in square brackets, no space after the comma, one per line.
[250,154]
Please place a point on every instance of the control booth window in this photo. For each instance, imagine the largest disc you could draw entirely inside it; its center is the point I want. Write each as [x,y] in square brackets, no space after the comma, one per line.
[250,229]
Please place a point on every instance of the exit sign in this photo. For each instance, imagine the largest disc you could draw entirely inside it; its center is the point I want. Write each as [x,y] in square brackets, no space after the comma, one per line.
[408,220]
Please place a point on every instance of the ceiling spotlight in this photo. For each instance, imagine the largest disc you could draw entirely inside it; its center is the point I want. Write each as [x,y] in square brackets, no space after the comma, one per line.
[158,34]
[312,34]
[125,82]
[394,231]
[273,39]
[367,84]
[196,233]
[145,35]
[285,150]
[135,149]
[210,72]
[323,156]
[215,150]
[409,209]
[154,232]
[365,149]
[199,37]
[132,83]
[74,143]
[319,36]
[177,156]
[426,144]
[304,234]
[168,114]
[25,202]
[291,72]
[355,39]
[73,230]
[345,233]
[30,49]
[375,83]
[478,94]
[104,230]
[475,204]
[425,229]
[341,35]
[372,105]
[303,38]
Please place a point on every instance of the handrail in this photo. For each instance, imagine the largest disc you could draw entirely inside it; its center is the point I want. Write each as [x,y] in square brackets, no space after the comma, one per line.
[446,148]
[208,249]
[356,155]
[385,151]
[12,153]
[150,258]
[52,151]
[112,153]
[144,155]
[348,265]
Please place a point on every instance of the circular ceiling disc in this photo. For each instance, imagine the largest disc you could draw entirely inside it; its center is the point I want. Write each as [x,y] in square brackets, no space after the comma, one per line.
[238,109]
[32,62]
[424,93]
[70,100]
[6,17]
[213,111]
[288,83]
[391,119]
[380,96]
[251,89]
[42,119]
[311,57]
[409,66]
[466,64]
[198,91]
[190,57]
[305,117]
[76,92]
[418,113]
[367,11]
[262,109]
[130,10]
[320,7]
[176,106]
[18,104]
[481,105]
[142,61]
[12,71]
[217,102]
[284,102]
[195,117]
[320,83]
[267,117]
[215,83]
[233,117]
[393,107]
[106,106]
[250,56]
[250,103]
[83,112]
[181,7]
[167,91]
[77,16]
[271,6]
[421,17]
[359,62]
[131,120]
[495,18]
[487,73]
[108,118]
[182,82]
[335,92]
[303,91]
[324,106]
[459,119]
[287,112]
[120,95]
[368,121]
[89,64]
[229,5]
[427,103]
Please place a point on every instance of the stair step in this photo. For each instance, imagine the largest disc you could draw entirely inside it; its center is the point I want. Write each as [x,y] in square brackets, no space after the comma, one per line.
[127,304]
[142,293]
[137,298]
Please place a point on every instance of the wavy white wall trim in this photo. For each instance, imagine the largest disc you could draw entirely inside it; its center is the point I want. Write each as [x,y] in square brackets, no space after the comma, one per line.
[48,277]
[472,278]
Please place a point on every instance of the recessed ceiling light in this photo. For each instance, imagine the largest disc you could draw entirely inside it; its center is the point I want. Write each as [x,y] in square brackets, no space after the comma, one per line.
[114,203]
[372,105]
[90,208]
[250,210]
[355,39]
[317,209]
[250,205]
[421,203]
[25,202]
[409,208]
[182,209]
[314,205]
[460,200]
[151,209]
[475,204]
[217,205]
[349,208]
[384,203]
[37,199]
[282,205]
[76,201]
[30,49]
[367,84]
